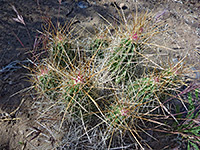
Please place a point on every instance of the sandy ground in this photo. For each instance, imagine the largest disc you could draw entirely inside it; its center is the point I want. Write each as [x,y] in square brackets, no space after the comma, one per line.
[16,115]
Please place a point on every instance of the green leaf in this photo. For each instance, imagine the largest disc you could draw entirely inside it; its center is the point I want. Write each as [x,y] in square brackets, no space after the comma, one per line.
[188,146]
[191,106]
[21,143]
[193,145]
[196,93]
[178,110]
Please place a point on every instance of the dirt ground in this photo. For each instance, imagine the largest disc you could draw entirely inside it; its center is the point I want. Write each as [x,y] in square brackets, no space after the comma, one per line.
[16,114]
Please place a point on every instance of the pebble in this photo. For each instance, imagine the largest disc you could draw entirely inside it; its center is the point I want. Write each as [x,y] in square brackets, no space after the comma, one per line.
[123,6]
[83,4]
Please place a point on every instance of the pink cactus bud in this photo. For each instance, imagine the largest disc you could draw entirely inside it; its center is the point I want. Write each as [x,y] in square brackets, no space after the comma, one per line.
[141,30]
[43,71]
[78,79]
[156,79]
[135,36]
[124,112]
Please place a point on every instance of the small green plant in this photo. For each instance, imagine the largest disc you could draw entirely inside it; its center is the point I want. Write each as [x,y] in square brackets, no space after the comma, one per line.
[189,128]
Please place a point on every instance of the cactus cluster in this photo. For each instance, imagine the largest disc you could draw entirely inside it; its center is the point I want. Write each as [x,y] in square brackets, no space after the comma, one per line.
[108,76]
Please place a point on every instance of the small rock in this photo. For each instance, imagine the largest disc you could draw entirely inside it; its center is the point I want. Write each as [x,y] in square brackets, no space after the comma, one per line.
[123,6]
[21,132]
[83,4]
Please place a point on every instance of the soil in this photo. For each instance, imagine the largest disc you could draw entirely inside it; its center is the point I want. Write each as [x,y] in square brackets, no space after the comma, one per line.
[16,112]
